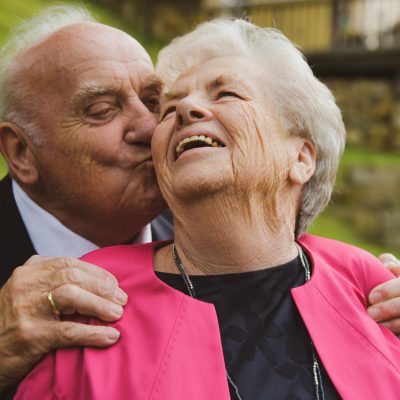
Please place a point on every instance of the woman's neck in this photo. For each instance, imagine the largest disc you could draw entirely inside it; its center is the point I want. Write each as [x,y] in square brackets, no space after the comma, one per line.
[220,239]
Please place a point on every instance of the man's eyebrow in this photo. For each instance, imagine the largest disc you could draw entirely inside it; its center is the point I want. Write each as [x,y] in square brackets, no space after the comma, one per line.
[152,84]
[87,91]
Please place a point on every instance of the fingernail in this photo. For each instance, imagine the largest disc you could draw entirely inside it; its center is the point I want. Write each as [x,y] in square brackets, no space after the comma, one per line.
[375,297]
[116,310]
[121,296]
[374,312]
[113,335]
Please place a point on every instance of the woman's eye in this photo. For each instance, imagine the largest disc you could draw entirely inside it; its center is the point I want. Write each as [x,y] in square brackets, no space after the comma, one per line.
[227,93]
[169,110]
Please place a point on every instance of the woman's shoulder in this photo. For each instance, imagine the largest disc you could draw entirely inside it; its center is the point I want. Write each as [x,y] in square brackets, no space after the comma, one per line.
[124,260]
[354,263]
[334,248]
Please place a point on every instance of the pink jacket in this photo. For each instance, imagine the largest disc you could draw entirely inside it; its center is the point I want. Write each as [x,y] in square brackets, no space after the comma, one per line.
[170,347]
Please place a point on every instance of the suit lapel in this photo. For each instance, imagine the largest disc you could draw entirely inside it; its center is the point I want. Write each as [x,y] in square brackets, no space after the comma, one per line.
[162,227]
[15,244]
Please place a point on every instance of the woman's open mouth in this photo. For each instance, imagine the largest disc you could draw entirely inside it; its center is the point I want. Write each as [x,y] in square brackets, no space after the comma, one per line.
[196,141]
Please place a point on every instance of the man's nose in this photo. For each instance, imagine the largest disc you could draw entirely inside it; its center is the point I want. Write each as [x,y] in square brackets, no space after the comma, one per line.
[189,111]
[141,126]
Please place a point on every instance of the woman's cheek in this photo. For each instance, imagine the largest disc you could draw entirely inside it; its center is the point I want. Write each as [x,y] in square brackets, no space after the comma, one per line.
[160,141]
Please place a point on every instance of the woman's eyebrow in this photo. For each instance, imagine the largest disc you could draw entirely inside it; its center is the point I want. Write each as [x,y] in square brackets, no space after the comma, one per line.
[168,96]
[228,78]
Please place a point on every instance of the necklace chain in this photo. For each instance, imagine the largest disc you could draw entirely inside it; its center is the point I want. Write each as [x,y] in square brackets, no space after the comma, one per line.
[319,389]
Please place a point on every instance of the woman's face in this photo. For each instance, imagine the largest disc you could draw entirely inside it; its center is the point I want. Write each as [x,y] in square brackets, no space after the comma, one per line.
[217,133]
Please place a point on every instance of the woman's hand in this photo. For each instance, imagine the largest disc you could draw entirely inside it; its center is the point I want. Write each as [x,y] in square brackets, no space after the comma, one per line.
[385,298]
[30,326]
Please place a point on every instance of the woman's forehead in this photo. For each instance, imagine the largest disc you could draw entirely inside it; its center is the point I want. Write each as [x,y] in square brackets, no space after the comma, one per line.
[217,72]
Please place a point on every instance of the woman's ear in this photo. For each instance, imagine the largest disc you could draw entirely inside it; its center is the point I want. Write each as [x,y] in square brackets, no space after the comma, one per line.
[18,154]
[303,167]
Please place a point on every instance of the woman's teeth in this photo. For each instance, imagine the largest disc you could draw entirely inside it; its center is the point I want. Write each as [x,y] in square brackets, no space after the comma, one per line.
[195,141]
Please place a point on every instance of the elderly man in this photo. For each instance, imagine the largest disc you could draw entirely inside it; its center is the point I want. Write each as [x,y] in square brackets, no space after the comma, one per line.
[78,105]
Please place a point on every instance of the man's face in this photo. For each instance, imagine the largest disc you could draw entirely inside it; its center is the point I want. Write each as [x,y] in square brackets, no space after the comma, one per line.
[99,97]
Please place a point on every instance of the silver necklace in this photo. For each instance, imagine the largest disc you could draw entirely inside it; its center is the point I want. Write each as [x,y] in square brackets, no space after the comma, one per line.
[319,388]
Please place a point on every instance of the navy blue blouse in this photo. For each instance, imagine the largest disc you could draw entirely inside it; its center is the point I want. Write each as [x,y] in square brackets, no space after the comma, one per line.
[266,346]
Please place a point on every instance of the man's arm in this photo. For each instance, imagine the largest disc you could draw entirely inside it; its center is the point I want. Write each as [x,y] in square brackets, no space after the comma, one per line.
[29,328]
[385,298]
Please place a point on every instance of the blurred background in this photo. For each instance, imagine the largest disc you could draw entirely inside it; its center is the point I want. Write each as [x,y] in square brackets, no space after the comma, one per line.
[352,45]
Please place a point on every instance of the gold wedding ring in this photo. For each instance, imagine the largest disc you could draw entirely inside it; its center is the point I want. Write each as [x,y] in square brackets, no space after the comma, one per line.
[53,307]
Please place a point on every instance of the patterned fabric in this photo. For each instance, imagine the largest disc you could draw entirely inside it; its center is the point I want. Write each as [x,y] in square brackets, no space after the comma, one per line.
[266,345]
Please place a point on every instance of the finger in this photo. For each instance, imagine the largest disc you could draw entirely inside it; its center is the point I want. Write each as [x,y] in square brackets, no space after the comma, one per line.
[389,260]
[36,259]
[45,264]
[393,325]
[71,299]
[385,291]
[67,334]
[394,268]
[68,262]
[385,311]
[101,287]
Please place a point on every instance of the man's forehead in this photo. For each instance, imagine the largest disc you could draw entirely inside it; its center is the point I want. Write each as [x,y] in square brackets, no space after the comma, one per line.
[88,42]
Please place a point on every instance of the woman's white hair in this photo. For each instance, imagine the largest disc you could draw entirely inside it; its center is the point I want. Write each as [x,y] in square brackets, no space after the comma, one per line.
[303,104]
[16,104]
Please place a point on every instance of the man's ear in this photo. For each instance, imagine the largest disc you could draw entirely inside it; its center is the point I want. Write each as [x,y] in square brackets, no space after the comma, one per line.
[303,167]
[18,153]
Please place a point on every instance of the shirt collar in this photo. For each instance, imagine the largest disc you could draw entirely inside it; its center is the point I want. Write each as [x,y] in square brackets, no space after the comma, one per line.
[50,237]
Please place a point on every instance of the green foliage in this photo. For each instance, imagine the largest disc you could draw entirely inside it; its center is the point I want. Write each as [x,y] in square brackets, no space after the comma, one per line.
[12,12]
[3,169]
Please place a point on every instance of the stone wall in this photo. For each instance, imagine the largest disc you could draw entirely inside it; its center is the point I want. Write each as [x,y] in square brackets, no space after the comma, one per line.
[371,111]
[368,199]
[368,194]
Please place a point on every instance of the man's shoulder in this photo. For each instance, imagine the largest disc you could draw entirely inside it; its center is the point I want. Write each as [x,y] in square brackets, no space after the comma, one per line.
[162,227]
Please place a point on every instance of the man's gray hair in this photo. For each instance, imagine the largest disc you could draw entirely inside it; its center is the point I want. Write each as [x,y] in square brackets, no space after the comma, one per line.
[303,104]
[16,104]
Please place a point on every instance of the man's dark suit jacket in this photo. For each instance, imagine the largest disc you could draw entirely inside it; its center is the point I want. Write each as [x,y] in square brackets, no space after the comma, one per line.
[16,246]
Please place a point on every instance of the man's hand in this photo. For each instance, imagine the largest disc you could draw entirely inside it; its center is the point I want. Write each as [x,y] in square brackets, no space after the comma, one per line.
[385,298]
[29,328]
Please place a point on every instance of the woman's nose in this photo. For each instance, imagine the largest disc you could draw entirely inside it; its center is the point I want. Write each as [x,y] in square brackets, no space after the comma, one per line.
[188,113]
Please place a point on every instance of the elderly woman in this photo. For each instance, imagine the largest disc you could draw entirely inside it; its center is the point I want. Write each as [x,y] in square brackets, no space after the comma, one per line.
[246,154]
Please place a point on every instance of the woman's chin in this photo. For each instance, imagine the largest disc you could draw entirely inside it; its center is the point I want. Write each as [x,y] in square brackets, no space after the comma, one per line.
[195,184]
